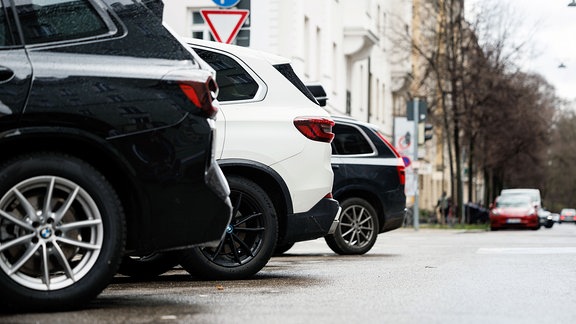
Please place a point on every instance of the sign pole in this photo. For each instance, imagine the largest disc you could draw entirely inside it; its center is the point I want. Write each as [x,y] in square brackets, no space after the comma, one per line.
[414,167]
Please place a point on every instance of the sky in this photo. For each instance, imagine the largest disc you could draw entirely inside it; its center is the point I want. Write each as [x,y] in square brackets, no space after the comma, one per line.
[553,23]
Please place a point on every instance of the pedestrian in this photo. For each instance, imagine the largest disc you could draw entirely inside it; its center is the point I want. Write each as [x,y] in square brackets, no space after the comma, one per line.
[443,207]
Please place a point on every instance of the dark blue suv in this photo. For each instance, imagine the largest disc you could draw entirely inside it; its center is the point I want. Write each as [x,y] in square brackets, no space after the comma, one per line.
[369,183]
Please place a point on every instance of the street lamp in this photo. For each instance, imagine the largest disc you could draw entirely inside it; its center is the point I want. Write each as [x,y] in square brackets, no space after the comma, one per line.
[572,4]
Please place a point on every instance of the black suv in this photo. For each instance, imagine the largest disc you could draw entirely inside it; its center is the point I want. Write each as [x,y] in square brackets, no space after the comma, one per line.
[369,179]
[107,141]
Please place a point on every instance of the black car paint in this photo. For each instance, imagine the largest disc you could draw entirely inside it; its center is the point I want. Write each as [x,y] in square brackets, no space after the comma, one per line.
[373,177]
[113,100]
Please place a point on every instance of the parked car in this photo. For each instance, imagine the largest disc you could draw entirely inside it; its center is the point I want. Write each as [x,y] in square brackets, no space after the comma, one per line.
[534,194]
[107,144]
[567,215]
[546,218]
[274,148]
[514,211]
[555,217]
[369,179]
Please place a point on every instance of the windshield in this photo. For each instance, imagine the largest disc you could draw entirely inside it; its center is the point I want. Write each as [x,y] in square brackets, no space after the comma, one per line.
[514,201]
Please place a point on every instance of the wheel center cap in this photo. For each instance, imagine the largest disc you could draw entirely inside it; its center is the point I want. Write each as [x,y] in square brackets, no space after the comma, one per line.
[46,232]
[229,229]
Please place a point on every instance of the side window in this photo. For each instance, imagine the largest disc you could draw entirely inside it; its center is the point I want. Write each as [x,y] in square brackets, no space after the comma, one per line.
[234,82]
[349,140]
[59,20]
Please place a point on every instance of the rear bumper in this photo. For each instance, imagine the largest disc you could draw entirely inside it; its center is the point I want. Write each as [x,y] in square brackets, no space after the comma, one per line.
[319,221]
[394,209]
[221,214]
[393,221]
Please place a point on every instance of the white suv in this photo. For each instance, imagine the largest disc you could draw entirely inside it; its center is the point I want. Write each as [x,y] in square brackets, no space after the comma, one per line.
[273,144]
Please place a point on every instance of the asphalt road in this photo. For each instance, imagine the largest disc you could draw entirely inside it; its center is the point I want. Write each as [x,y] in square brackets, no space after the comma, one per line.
[424,276]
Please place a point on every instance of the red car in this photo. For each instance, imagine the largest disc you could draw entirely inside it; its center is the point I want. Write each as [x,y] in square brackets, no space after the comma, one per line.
[515,211]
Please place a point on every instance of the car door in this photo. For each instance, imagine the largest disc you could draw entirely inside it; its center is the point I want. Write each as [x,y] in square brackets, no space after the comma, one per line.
[15,69]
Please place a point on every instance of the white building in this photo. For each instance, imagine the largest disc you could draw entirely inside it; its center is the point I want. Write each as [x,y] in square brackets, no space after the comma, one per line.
[346,45]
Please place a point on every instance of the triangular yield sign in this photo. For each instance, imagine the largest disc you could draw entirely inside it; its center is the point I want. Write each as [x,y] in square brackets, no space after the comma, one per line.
[224,24]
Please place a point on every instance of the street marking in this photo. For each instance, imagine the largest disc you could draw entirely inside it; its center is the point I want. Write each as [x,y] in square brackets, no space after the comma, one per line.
[535,250]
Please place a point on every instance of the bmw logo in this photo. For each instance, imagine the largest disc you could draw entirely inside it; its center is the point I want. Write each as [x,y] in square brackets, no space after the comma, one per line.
[229,229]
[46,233]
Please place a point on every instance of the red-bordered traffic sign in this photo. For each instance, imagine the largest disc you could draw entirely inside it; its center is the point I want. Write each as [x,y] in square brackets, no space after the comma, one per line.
[224,24]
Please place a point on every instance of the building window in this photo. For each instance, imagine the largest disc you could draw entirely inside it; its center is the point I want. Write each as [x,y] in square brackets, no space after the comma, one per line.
[334,68]
[348,103]
[199,28]
[318,54]
[306,39]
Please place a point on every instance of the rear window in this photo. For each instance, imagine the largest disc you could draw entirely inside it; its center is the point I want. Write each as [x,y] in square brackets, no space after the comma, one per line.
[234,82]
[46,21]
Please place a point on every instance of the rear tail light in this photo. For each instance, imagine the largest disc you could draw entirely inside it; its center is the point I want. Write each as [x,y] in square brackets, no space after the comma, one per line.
[201,94]
[401,168]
[401,172]
[316,129]
[329,195]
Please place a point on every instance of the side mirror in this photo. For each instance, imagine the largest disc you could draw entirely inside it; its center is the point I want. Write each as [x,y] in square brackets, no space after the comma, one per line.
[318,92]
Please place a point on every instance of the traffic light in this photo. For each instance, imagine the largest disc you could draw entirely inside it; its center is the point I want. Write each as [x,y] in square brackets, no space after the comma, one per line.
[428,132]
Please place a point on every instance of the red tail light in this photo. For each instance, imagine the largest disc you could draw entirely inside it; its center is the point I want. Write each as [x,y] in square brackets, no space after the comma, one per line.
[316,129]
[329,195]
[201,95]
[401,172]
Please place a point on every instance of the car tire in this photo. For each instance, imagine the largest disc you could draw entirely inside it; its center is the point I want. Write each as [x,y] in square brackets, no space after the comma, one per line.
[148,266]
[248,243]
[357,230]
[62,231]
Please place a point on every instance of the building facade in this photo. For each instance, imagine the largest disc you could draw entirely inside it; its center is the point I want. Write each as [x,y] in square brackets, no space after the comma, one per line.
[345,45]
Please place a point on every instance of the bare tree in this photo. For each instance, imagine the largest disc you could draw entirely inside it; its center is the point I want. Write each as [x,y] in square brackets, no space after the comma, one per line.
[493,116]
[561,169]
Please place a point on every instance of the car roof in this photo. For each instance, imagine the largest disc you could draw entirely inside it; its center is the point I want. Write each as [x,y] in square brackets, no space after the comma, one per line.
[519,190]
[239,51]
[352,120]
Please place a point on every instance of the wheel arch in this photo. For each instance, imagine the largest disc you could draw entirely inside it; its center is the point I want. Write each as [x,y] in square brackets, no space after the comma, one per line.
[92,149]
[269,180]
[356,192]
